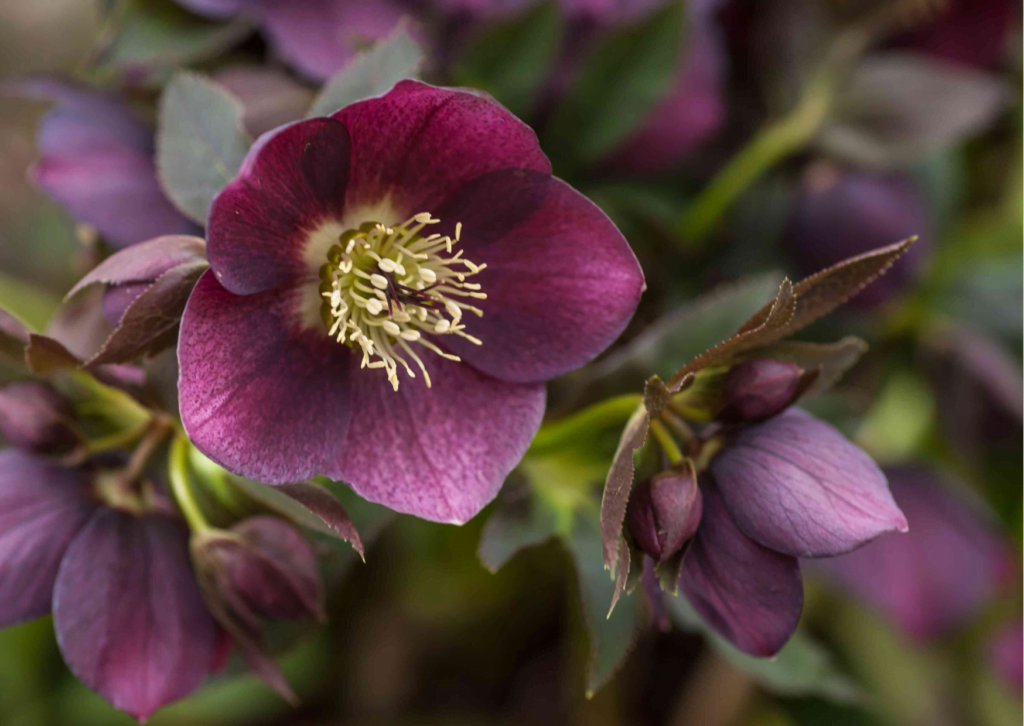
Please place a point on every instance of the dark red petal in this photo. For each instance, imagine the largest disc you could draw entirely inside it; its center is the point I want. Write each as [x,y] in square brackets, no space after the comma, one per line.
[440,453]
[795,484]
[561,284]
[417,144]
[42,508]
[259,394]
[129,616]
[292,181]
[750,594]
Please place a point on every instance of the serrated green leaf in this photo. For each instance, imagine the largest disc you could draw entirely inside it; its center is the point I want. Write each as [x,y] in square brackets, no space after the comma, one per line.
[620,82]
[510,60]
[200,142]
[370,74]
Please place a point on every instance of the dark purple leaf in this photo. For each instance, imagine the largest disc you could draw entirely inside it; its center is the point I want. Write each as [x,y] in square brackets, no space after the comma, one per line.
[144,262]
[325,506]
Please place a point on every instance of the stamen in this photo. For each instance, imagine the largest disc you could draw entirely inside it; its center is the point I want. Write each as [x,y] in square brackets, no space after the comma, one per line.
[371,300]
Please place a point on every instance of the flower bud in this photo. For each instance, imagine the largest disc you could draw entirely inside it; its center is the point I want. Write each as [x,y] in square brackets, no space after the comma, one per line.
[261,568]
[664,512]
[759,389]
[36,418]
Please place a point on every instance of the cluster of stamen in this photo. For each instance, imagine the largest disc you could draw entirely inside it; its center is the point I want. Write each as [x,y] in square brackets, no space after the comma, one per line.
[386,289]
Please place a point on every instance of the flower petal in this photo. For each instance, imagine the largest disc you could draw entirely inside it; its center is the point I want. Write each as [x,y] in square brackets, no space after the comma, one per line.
[292,180]
[561,281]
[258,394]
[440,453]
[42,508]
[750,594]
[129,616]
[796,485]
[317,37]
[939,574]
[417,144]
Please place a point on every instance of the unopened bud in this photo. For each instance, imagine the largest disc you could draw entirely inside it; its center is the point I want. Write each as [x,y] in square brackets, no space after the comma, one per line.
[664,513]
[759,389]
[34,417]
[261,568]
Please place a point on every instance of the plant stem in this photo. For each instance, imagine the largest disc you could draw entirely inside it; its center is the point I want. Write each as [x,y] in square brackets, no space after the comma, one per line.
[177,470]
[667,443]
[584,423]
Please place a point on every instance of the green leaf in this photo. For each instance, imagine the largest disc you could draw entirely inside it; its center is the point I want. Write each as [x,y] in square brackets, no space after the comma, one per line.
[519,520]
[200,142]
[611,635]
[510,60]
[619,84]
[802,668]
[370,74]
[148,39]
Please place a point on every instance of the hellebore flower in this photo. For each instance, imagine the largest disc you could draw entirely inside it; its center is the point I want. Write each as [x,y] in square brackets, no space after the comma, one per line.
[129,616]
[390,288]
[939,575]
[839,213]
[96,159]
[34,417]
[664,513]
[316,37]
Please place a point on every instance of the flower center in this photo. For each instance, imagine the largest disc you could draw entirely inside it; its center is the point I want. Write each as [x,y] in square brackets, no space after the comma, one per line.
[387,288]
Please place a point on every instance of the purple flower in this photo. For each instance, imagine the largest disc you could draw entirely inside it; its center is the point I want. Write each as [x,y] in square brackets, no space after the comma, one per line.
[316,37]
[418,239]
[691,114]
[36,418]
[759,389]
[972,32]
[129,617]
[786,488]
[839,213]
[664,513]
[96,159]
[938,576]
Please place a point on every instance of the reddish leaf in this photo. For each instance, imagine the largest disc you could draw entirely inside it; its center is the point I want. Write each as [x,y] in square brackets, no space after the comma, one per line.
[324,505]
[43,354]
[145,261]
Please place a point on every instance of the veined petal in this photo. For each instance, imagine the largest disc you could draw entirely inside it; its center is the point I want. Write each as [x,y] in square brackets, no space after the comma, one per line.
[750,594]
[259,394]
[561,281]
[796,485]
[417,144]
[317,37]
[42,508]
[129,616]
[440,453]
[292,181]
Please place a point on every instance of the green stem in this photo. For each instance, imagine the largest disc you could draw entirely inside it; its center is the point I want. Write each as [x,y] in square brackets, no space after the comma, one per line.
[120,440]
[667,443]
[114,404]
[605,414]
[772,144]
[177,470]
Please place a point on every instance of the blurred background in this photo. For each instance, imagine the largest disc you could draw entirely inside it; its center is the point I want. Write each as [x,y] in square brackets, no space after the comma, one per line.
[733,141]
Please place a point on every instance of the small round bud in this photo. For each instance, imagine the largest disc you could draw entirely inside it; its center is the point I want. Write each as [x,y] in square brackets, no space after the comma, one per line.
[664,512]
[759,389]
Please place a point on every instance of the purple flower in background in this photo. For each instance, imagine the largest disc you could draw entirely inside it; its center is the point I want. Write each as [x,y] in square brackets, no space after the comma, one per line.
[839,213]
[390,288]
[269,96]
[692,112]
[787,488]
[96,159]
[941,574]
[34,417]
[1006,657]
[129,616]
[973,32]
[316,37]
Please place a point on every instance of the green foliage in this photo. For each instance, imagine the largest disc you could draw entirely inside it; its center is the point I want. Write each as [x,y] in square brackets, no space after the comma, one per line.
[200,142]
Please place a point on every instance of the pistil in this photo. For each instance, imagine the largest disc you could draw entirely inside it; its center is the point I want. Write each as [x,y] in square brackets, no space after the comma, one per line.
[385,288]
